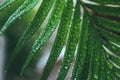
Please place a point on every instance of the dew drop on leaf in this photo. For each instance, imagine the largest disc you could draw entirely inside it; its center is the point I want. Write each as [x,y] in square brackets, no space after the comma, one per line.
[19,17]
[95,76]
[113,47]
[66,67]
[75,79]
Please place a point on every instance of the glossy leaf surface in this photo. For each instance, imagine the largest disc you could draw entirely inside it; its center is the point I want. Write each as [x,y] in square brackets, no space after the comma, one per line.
[91,29]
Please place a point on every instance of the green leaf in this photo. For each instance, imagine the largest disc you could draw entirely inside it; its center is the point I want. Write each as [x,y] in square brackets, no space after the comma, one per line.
[47,32]
[5,4]
[111,36]
[112,46]
[71,46]
[107,23]
[91,29]
[62,32]
[8,10]
[25,7]
[95,61]
[32,28]
[105,67]
[82,48]
[104,10]
[99,70]
[106,1]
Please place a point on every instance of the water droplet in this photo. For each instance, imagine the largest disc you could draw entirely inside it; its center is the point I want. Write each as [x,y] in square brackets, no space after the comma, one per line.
[95,76]
[5,71]
[68,60]
[110,66]
[81,17]
[75,79]
[58,70]
[19,17]
[113,47]
[34,50]
[66,67]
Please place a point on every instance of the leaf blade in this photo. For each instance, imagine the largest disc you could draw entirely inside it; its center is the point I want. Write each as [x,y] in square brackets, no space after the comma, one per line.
[46,33]
[71,43]
[25,7]
[60,39]
[114,2]
[6,3]
[32,28]
[81,49]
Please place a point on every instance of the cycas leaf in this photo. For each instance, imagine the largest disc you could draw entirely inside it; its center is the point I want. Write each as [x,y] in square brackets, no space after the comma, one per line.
[71,46]
[106,69]
[8,10]
[102,10]
[5,4]
[81,53]
[32,28]
[106,1]
[60,39]
[113,57]
[96,38]
[99,69]
[108,33]
[25,7]
[47,31]
[108,24]
[96,60]
[95,53]
[112,46]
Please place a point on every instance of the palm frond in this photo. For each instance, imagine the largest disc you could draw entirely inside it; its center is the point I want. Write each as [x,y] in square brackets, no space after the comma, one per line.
[90,29]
